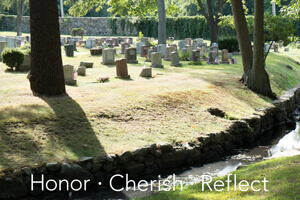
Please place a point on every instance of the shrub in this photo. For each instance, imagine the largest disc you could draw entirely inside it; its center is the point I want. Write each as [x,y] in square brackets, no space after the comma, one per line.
[184,56]
[78,32]
[229,43]
[12,57]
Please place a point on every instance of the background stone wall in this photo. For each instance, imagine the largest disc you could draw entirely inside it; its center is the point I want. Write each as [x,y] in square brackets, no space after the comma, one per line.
[92,25]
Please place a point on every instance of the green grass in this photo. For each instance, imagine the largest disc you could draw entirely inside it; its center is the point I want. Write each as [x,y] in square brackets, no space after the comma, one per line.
[282,174]
[98,118]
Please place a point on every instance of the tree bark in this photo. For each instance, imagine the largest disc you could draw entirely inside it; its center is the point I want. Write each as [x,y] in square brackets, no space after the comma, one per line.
[162,35]
[258,78]
[46,75]
[20,11]
[243,37]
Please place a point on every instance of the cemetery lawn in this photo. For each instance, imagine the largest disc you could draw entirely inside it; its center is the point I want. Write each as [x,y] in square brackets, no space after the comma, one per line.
[281,174]
[123,114]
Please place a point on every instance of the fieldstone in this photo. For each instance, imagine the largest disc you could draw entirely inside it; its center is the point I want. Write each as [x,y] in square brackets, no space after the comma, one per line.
[12,188]
[146,72]
[81,71]
[53,166]
[75,171]
[125,157]
[165,147]
[87,64]
[133,167]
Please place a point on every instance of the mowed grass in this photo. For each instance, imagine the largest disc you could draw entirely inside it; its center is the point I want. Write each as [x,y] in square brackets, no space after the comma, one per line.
[281,173]
[123,114]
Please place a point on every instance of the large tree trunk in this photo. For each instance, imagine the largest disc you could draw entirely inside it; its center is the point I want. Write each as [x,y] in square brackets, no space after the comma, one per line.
[259,79]
[162,36]
[46,64]
[214,31]
[20,10]
[243,37]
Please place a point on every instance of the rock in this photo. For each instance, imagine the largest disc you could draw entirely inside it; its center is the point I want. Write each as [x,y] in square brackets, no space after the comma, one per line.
[85,159]
[141,151]
[53,167]
[27,171]
[165,147]
[75,171]
[216,112]
[149,160]
[35,192]
[133,167]
[153,148]
[12,188]
[124,157]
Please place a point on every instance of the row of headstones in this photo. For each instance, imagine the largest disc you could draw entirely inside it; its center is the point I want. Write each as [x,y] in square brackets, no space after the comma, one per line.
[15,41]
[275,46]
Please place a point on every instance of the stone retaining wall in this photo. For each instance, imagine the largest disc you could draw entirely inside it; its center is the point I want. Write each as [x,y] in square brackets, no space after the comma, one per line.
[155,158]
[92,25]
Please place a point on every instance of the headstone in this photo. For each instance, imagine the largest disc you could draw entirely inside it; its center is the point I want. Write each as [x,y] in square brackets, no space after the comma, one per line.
[173,45]
[266,47]
[138,47]
[189,48]
[121,67]
[3,45]
[144,50]
[111,46]
[212,57]
[108,56]
[109,42]
[62,41]
[156,60]
[28,39]
[287,49]
[181,44]
[225,56]
[195,55]
[195,45]
[199,41]
[188,41]
[216,62]
[175,59]
[146,72]
[115,42]
[203,46]
[127,40]
[120,40]
[169,50]
[214,48]
[69,75]
[276,48]
[130,40]
[69,50]
[202,52]
[86,64]
[2,39]
[124,46]
[73,42]
[234,60]
[90,43]
[99,41]
[145,40]
[96,51]
[154,48]
[214,44]
[77,39]
[230,56]
[150,51]
[12,42]
[81,71]
[184,50]
[25,66]
[161,48]
[130,55]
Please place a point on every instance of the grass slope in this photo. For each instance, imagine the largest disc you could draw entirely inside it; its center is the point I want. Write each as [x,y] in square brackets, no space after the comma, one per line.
[281,173]
[98,118]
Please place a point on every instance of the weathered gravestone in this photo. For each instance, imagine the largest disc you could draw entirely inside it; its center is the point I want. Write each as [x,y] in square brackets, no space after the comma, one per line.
[161,48]
[188,41]
[73,42]
[156,60]
[199,41]
[195,45]
[87,64]
[145,40]
[196,55]
[276,48]
[124,46]
[25,66]
[12,42]
[121,68]
[212,56]
[108,56]
[90,43]
[96,51]
[69,75]
[266,47]
[169,50]
[130,55]
[225,56]
[81,71]
[214,48]
[144,50]
[150,51]
[181,44]
[175,59]
[138,47]
[62,41]
[146,72]
[115,42]
[69,50]
[234,60]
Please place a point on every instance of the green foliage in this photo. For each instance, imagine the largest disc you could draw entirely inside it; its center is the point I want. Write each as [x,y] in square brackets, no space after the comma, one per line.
[151,43]
[26,48]
[198,62]
[229,43]
[113,25]
[141,35]
[184,56]
[12,57]
[78,32]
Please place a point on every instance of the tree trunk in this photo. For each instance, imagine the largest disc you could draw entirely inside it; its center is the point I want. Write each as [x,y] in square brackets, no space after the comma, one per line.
[243,37]
[20,9]
[46,63]
[214,31]
[259,79]
[162,36]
